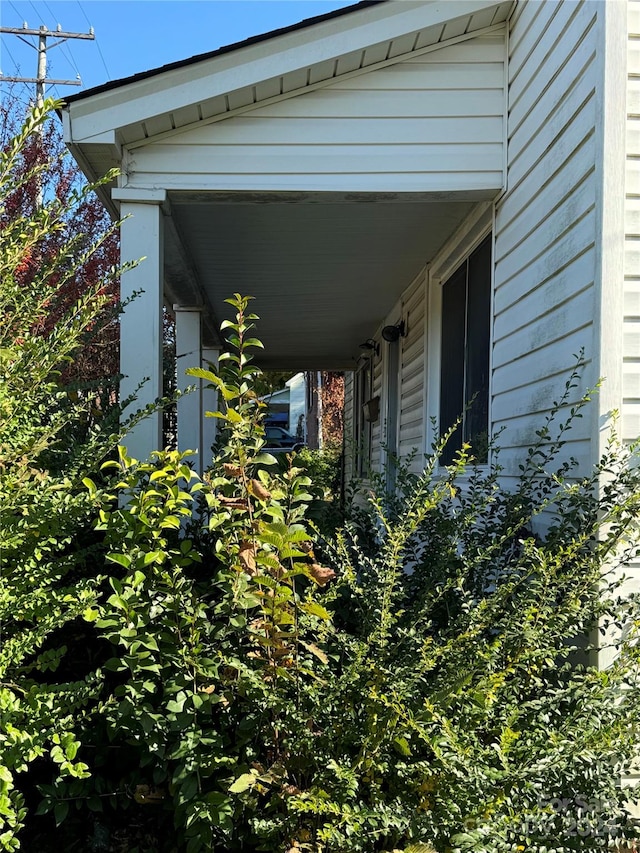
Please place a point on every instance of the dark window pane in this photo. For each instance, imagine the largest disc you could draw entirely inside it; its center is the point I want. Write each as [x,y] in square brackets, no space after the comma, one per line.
[452,362]
[477,357]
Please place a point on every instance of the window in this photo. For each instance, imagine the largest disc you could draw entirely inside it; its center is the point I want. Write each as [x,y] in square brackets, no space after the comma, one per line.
[362,426]
[464,362]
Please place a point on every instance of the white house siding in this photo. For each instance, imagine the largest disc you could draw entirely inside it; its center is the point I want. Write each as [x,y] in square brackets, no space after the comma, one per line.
[412,390]
[631,337]
[545,224]
[412,373]
[631,334]
[348,426]
[430,123]
[376,427]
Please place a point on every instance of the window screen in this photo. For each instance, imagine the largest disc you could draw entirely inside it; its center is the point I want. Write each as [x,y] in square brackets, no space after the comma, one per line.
[464,365]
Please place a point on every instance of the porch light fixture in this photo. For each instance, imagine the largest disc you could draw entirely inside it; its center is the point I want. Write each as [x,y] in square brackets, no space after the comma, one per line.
[392,333]
[371,345]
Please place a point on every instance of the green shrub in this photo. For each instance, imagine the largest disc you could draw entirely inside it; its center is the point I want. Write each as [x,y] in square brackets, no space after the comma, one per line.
[49,440]
[479,725]
[325,470]
[213,627]
[435,688]
[426,692]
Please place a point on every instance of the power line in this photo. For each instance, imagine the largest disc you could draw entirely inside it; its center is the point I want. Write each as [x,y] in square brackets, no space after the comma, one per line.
[16,64]
[43,34]
[109,76]
[66,48]
[41,79]
[14,9]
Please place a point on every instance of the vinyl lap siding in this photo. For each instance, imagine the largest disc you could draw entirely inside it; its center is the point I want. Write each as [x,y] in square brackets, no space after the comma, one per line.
[631,340]
[412,372]
[411,393]
[376,427]
[631,334]
[348,425]
[431,123]
[545,228]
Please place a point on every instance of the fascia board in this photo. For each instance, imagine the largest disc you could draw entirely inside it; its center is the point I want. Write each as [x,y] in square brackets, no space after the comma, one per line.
[159,94]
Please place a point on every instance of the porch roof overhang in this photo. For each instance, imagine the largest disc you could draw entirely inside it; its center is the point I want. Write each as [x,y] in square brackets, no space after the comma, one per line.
[324,265]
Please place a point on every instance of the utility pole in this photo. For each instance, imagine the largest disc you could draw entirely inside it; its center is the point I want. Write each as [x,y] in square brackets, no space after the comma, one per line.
[41,75]
[40,79]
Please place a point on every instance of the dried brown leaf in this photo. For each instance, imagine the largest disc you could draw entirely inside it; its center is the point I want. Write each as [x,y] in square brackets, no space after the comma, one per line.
[232,470]
[258,490]
[321,574]
[247,557]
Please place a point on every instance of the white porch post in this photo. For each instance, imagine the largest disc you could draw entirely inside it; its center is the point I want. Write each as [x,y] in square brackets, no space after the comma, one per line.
[189,354]
[209,404]
[141,236]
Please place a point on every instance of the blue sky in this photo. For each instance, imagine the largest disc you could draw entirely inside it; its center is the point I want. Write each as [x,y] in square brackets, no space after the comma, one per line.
[135,35]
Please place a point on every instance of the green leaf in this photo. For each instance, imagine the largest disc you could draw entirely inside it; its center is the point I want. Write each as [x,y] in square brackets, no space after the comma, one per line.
[175,706]
[189,788]
[60,811]
[401,745]
[94,804]
[315,609]
[234,417]
[91,486]
[121,559]
[153,557]
[243,783]
[202,373]
[265,459]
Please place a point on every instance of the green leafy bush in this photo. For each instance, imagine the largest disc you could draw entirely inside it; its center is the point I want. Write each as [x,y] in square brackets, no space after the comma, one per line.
[479,716]
[325,470]
[213,626]
[49,440]
[424,679]
[432,690]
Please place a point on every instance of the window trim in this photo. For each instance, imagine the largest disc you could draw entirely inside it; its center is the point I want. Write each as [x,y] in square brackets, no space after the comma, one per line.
[479,224]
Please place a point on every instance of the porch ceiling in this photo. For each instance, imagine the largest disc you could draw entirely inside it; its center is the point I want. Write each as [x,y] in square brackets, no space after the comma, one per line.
[325,271]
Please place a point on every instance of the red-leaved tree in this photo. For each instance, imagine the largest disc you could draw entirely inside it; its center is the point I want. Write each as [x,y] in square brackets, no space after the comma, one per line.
[332,408]
[50,173]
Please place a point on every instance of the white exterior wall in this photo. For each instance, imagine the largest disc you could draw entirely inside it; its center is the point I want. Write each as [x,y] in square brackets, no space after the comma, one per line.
[348,425]
[545,251]
[412,374]
[546,245]
[431,123]
[631,368]
[631,320]
[377,460]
